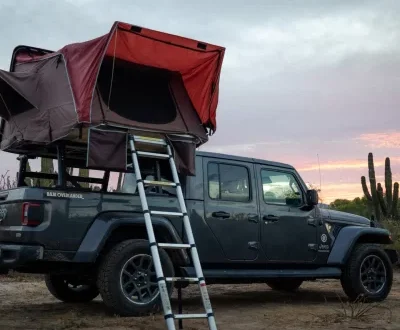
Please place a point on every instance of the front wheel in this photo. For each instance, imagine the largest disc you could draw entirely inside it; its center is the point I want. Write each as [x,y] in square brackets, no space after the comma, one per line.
[127,279]
[368,274]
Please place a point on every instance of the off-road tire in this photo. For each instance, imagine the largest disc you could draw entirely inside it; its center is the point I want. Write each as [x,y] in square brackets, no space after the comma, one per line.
[284,284]
[351,279]
[58,287]
[108,279]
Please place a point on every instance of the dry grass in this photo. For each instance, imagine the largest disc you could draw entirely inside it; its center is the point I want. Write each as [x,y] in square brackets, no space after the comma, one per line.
[26,303]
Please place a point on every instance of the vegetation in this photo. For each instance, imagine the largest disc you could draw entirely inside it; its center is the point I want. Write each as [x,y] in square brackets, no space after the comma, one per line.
[359,206]
[383,205]
[46,166]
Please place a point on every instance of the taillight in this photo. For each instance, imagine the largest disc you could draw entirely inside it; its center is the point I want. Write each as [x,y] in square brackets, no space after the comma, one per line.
[32,214]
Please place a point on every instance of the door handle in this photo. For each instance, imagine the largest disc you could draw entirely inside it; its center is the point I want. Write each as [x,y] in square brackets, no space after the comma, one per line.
[253,218]
[221,214]
[270,218]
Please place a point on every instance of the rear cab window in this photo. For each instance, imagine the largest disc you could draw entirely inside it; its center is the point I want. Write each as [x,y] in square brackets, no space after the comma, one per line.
[228,182]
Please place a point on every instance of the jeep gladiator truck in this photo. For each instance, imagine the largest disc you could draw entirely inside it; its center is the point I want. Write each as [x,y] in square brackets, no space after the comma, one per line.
[253,221]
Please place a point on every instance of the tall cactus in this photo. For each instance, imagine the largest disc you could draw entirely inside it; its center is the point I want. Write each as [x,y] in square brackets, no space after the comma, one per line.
[385,204]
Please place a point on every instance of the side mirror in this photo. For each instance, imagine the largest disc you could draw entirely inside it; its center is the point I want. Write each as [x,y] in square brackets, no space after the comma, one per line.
[312,197]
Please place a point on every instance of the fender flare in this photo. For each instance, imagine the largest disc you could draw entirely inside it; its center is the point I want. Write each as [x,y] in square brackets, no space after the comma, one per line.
[105,223]
[349,236]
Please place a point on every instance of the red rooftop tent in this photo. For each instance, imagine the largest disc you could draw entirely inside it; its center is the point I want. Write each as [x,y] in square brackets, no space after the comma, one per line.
[93,93]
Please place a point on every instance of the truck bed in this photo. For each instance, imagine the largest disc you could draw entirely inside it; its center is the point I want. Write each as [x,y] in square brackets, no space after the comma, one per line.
[71,211]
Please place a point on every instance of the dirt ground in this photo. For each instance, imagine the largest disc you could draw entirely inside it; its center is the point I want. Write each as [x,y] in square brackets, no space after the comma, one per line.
[26,304]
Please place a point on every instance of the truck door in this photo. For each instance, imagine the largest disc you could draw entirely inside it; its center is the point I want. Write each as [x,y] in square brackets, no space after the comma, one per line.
[231,210]
[288,230]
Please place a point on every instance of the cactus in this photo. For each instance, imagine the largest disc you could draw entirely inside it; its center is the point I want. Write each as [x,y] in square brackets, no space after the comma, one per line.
[395,210]
[385,204]
[373,196]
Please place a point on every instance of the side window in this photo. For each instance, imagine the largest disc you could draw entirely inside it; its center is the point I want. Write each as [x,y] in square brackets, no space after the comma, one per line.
[228,182]
[280,188]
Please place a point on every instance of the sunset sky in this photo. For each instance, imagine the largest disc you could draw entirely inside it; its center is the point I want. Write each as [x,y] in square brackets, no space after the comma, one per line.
[300,78]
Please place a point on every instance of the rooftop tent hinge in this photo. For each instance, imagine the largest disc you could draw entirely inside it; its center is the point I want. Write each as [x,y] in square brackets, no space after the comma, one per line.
[201,45]
[136,29]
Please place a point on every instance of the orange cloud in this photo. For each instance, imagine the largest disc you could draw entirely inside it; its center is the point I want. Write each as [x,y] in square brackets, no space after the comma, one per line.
[347,164]
[332,191]
[381,140]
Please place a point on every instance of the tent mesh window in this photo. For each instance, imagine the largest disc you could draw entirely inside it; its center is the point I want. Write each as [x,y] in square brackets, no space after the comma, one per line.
[136,92]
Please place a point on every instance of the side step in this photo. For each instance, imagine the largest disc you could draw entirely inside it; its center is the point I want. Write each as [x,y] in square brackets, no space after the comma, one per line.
[235,275]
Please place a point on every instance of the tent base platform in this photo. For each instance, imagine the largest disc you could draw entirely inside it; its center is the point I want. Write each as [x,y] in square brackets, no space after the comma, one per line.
[76,146]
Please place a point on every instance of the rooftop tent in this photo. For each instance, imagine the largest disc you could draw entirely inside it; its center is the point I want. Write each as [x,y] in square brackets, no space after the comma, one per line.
[90,94]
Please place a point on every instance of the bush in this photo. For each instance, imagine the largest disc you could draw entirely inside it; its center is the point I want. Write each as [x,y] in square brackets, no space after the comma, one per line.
[394,227]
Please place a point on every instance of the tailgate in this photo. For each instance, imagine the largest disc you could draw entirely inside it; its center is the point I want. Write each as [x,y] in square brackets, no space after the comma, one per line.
[19,213]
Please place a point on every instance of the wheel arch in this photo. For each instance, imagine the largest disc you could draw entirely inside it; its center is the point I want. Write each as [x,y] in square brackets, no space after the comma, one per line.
[112,228]
[350,236]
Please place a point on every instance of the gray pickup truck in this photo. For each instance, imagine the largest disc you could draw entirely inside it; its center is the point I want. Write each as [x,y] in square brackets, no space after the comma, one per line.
[253,221]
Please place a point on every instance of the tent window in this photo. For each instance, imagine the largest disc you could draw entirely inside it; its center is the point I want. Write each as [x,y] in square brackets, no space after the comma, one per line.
[139,93]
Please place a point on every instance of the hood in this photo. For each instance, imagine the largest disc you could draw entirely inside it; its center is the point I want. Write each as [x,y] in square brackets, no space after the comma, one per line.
[346,218]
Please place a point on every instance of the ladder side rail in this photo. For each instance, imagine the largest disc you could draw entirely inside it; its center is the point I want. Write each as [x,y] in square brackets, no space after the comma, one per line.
[162,285]
[195,256]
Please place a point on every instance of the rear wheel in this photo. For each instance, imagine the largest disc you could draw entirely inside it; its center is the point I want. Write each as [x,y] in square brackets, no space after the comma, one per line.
[284,284]
[368,274]
[127,280]
[71,290]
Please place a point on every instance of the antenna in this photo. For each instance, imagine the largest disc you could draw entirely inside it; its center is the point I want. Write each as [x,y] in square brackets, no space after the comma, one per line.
[320,180]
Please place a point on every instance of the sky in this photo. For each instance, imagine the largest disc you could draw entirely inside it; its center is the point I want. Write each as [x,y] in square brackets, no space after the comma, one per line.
[301,80]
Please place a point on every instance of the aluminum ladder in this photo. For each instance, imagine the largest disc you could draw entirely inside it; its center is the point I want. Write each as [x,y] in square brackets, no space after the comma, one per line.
[169,316]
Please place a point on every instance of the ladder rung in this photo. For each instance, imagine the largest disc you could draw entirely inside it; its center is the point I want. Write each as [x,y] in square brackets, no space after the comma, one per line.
[190,316]
[160,183]
[148,140]
[182,279]
[173,246]
[173,214]
[152,155]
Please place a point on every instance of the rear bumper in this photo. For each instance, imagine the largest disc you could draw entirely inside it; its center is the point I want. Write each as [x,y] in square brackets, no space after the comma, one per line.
[12,256]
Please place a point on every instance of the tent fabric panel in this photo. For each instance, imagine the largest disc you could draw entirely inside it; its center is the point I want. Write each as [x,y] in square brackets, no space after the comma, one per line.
[29,127]
[107,150]
[136,92]
[184,153]
[11,101]
[83,61]
[170,38]
[186,109]
[17,90]
[54,116]
[185,121]
[200,69]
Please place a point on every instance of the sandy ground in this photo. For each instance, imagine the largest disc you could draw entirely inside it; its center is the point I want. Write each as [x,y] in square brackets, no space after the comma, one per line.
[26,304]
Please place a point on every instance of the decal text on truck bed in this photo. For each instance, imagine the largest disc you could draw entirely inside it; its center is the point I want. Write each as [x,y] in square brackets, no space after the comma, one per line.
[63,195]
